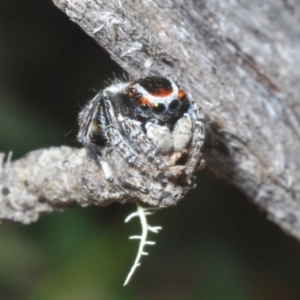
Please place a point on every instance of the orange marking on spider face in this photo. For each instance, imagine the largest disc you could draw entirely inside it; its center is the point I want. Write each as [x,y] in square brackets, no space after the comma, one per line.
[162,92]
[181,94]
[144,101]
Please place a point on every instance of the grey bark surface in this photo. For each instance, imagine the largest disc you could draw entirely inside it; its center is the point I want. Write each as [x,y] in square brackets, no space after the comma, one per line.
[45,180]
[61,177]
[239,59]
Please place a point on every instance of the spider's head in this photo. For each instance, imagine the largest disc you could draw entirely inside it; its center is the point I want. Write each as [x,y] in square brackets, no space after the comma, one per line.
[158,97]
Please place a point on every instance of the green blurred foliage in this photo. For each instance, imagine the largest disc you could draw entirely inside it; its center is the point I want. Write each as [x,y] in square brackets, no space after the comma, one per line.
[214,244]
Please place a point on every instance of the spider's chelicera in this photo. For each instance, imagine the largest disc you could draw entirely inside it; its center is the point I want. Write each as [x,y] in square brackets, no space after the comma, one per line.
[147,120]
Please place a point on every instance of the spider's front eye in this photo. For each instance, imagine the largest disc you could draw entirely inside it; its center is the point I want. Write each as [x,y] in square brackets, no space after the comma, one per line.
[145,107]
[173,104]
[159,109]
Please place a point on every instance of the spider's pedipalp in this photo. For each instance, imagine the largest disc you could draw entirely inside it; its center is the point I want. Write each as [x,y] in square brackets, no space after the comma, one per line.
[182,132]
[160,136]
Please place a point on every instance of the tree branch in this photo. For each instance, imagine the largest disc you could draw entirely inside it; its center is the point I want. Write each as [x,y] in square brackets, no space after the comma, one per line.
[58,178]
[239,60]
[42,181]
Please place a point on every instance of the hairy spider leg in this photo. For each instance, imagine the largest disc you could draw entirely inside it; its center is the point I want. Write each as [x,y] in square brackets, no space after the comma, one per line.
[87,117]
[114,135]
[195,155]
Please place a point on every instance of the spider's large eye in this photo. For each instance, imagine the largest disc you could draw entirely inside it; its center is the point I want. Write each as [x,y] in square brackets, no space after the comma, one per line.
[145,107]
[173,104]
[159,108]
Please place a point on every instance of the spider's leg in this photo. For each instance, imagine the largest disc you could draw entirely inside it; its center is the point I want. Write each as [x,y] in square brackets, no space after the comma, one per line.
[117,139]
[87,124]
[144,144]
[198,133]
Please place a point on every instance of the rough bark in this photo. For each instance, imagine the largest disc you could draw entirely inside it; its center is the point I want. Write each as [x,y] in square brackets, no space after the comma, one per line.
[45,180]
[61,177]
[238,59]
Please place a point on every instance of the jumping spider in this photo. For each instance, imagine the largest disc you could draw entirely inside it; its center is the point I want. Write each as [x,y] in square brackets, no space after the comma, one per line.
[149,121]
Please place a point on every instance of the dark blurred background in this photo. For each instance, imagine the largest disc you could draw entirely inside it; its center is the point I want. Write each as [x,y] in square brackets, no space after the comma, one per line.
[214,244]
